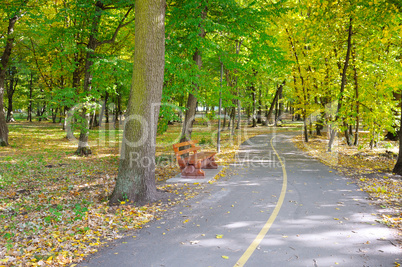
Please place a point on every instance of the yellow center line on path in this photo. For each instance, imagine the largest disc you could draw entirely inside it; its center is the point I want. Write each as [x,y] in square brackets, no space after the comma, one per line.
[250,250]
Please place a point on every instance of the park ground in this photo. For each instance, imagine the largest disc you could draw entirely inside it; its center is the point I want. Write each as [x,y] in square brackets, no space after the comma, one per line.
[53,204]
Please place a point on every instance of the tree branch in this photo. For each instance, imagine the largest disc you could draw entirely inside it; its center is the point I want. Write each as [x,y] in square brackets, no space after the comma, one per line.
[121,25]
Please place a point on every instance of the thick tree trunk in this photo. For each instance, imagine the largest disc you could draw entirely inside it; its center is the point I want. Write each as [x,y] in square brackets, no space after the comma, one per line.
[136,177]
[3,67]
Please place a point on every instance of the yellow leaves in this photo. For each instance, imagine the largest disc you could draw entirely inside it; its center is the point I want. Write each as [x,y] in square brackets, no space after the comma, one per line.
[49,260]
[185,221]
[225,257]
[219,236]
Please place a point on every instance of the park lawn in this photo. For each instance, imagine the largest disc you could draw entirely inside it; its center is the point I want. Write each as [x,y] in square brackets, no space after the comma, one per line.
[53,204]
[370,169]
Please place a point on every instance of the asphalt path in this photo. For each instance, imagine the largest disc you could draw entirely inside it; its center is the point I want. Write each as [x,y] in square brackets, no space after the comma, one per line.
[279,208]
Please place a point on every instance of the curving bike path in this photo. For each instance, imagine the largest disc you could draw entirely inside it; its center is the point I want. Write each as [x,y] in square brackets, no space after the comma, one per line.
[280,208]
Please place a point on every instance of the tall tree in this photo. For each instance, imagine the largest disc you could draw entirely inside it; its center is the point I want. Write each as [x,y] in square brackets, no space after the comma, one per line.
[343,83]
[93,44]
[191,106]
[14,15]
[136,177]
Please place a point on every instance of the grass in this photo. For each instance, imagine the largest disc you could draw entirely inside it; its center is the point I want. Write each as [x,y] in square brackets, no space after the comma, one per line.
[53,204]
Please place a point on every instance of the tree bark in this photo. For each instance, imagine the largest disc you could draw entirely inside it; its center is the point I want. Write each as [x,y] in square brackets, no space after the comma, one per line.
[3,68]
[136,176]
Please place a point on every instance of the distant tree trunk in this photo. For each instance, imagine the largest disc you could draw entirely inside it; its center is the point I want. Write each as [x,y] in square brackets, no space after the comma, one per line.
[280,104]
[273,103]
[229,117]
[104,107]
[305,126]
[11,88]
[10,105]
[232,132]
[343,83]
[54,114]
[30,99]
[224,118]
[348,136]
[276,112]
[61,115]
[254,123]
[107,113]
[248,114]
[259,113]
[356,143]
[69,124]
[136,177]
[3,68]
[238,114]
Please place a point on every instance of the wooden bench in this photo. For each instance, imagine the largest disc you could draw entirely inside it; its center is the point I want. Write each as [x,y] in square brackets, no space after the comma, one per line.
[191,161]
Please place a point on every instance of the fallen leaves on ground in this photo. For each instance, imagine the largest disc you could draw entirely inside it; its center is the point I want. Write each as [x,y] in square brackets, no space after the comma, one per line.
[53,204]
